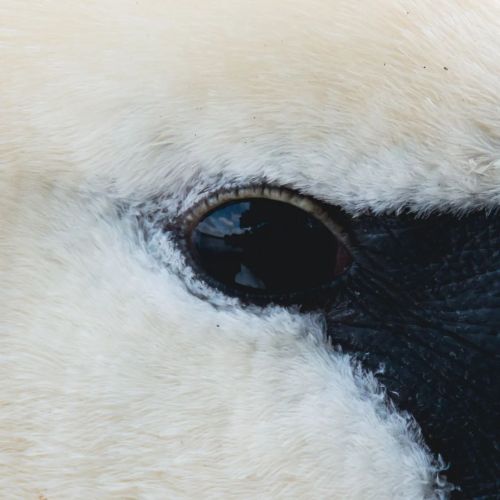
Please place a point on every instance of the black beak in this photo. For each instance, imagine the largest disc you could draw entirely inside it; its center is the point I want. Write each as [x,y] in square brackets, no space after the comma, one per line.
[422,306]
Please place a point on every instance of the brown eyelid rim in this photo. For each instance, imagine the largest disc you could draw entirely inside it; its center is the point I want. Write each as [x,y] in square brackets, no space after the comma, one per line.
[212,202]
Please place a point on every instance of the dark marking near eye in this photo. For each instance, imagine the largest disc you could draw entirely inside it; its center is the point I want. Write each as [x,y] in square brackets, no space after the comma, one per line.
[424,302]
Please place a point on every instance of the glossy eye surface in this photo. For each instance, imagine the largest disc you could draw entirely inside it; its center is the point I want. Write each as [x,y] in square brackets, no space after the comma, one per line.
[266,246]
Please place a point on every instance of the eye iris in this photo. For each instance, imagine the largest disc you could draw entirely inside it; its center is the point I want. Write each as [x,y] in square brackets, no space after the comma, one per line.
[266,246]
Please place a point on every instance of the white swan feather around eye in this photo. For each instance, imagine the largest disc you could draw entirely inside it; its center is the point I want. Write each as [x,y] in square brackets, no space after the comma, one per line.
[116,380]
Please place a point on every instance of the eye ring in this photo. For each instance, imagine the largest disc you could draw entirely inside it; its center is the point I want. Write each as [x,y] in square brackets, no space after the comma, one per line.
[316,208]
[317,216]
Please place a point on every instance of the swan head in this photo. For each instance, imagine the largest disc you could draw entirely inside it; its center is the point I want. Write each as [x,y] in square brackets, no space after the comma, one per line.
[249,249]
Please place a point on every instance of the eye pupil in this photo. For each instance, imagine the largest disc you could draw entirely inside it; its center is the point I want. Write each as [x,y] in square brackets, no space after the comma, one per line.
[265,246]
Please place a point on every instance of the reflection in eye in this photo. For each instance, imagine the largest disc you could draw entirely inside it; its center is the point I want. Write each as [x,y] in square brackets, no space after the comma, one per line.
[267,246]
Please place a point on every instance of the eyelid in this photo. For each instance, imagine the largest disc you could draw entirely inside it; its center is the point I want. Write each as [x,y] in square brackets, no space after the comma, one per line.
[314,207]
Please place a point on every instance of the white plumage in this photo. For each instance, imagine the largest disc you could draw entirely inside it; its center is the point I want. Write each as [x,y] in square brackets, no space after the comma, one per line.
[116,381]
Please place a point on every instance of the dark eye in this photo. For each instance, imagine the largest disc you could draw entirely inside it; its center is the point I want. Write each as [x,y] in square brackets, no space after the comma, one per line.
[269,247]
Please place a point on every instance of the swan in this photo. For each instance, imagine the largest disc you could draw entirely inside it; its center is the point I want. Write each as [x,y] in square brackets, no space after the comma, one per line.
[249,249]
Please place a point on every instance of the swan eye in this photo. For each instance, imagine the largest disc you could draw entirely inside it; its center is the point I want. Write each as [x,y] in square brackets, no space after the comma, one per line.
[261,246]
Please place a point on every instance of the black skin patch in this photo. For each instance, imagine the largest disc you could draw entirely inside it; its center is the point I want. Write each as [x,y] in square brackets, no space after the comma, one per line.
[423,300]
